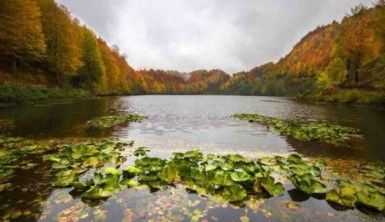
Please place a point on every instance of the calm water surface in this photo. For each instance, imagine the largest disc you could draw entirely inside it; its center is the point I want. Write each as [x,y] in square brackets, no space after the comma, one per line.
[177,123]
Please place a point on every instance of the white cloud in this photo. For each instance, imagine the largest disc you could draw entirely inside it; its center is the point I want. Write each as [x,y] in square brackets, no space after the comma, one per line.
[188,35]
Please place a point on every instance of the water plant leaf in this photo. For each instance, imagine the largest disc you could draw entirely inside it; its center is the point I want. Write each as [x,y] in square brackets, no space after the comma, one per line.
[240,176]
[130,183]
[274,189]
[64,178]
[234,193]
[131,171]
[104,122]
[223,178]
[308,183]
[305,130]
[141,151]
[371,197]
[346,196]
[170,174]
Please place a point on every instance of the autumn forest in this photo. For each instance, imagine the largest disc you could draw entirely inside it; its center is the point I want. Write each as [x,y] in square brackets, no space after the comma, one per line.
[43,46]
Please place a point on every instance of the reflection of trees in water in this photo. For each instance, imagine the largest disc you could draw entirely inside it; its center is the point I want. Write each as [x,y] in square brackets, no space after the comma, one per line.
[59,119]
[29,191]
[317,149]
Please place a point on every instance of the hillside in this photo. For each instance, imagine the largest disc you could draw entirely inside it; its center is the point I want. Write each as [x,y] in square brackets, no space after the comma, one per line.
[45,52]
[174,82]
[42,46]
[342,62]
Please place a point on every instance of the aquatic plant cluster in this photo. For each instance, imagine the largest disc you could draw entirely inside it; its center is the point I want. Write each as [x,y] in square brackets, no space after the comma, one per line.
[13,153]
[104,122]
[305,131]
[232,178]
[73,160]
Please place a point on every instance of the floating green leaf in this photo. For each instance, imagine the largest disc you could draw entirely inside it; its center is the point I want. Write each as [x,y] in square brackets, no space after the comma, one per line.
[316,131]
[234,193]
[141,151]
[113,120]
[274,189]
[308,183]
[346,196]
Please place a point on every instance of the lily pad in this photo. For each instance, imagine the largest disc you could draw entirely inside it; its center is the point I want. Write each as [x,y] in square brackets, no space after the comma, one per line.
[305,131]
[234,193]
[274,189]
[104,122]
[346,196]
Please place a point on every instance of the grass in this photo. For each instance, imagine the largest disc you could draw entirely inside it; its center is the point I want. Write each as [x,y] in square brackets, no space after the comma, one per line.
[22,94]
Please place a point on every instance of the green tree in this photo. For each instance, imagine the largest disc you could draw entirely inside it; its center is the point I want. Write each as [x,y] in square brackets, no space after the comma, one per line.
[21,35]
[333,75]
[93,68]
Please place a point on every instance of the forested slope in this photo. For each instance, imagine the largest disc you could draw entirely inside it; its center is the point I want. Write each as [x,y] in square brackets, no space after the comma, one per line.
[342,62]
[46,53]
[41,44]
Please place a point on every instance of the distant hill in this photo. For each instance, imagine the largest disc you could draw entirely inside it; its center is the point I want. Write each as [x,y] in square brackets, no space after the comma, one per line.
[174,82]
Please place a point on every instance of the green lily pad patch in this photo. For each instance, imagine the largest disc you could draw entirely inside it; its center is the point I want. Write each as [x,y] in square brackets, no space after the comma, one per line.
[105,122]
[305,131]
[74,159]
[232,177]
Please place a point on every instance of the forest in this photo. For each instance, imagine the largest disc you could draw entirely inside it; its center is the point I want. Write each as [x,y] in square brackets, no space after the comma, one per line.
[47,53]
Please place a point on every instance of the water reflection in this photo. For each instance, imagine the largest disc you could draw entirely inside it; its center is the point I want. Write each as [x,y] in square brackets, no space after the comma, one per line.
[185,122]
[178,123]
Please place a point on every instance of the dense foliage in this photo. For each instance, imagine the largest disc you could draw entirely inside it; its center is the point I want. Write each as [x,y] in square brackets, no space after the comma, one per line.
[40,36]
[41,44]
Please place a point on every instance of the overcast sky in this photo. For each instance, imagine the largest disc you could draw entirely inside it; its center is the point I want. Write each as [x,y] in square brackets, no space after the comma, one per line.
[186,35]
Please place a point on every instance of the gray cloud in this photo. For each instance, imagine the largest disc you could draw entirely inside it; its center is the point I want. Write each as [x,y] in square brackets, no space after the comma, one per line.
[188,35]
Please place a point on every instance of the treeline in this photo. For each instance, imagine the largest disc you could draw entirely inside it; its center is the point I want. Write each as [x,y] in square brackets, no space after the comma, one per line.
[342,62]
[174,82]
[40,43]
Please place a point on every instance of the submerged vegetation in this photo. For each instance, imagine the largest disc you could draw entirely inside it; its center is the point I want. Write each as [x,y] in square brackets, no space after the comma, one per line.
[113,120]
[305,131]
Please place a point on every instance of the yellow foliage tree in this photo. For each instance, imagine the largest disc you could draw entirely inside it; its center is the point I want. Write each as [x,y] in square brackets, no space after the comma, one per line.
[21,35]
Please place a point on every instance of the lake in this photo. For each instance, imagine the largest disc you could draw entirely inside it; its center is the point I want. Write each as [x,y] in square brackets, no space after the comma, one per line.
[181,123]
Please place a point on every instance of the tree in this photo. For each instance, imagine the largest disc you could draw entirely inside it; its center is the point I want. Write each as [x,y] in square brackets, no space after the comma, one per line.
[93,68]
[357,10]
[333,75]
[359,44]
[110,79]
[379,3]
[63,39]
[21,35]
